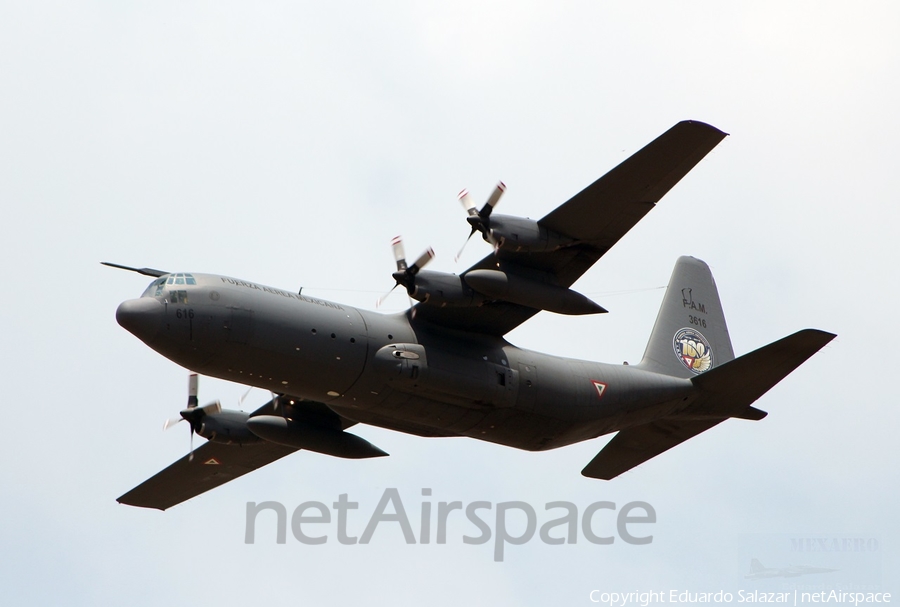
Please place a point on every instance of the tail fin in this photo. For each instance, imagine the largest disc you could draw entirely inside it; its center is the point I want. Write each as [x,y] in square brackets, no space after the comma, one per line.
[690,335]
[756,566]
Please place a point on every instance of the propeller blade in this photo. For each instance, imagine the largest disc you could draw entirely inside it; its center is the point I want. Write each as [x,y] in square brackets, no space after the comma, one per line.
[468,204]
[458,255]
[494,198]
[171,422]
[422,261]
[191,454]
[244,396]
[192,391]
[399,254]
[385,296]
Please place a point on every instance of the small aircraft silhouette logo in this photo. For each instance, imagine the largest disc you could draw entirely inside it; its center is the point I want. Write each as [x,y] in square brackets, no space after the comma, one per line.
[759,572]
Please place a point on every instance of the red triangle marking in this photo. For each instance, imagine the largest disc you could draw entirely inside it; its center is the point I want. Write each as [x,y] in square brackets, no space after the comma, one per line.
[211,460]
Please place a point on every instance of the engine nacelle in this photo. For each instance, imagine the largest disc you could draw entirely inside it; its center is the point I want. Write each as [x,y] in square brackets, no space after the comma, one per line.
[312,437]
[441,289]
[521,234]
[228,427]
[516,289]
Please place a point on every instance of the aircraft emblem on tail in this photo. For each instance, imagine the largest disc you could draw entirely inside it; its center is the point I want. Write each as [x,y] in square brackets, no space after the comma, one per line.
[693,350]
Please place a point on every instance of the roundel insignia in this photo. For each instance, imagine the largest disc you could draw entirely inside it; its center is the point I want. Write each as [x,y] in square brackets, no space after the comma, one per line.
[693,350]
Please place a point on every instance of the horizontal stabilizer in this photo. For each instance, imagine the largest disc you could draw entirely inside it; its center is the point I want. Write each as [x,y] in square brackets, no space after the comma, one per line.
[731,388]
[725,391]
[634,446]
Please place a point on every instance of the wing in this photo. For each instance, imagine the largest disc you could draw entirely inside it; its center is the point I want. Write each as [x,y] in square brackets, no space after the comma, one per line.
[634,446]
[597,217]
[605,210]
[214,464]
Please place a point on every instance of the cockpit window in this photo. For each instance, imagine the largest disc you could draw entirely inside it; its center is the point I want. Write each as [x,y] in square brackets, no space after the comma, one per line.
[157,287]
[181,279]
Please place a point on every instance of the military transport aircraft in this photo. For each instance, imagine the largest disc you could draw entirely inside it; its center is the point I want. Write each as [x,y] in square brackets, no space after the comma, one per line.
[442,368]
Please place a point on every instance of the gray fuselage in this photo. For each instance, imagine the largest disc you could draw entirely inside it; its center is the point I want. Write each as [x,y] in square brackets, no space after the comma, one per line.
[389,370]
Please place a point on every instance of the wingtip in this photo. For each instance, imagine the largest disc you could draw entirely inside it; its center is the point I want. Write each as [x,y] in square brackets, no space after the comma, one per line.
[597,477]
[120,500]
[705,125]
[824,337]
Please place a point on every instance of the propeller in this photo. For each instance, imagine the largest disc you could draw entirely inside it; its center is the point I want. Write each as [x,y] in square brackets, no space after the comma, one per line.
[480,220]
[406,274]
[276,403]
[193,414]
[244,396]
[276,399]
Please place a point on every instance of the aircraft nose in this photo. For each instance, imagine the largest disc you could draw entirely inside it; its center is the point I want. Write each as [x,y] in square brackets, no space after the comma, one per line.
[141,317]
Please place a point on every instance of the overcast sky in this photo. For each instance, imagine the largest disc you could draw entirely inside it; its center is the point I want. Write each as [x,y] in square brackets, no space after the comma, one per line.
[286,143]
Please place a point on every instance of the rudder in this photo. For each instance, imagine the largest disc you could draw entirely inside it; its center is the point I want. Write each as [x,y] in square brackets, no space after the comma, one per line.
[690,335]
